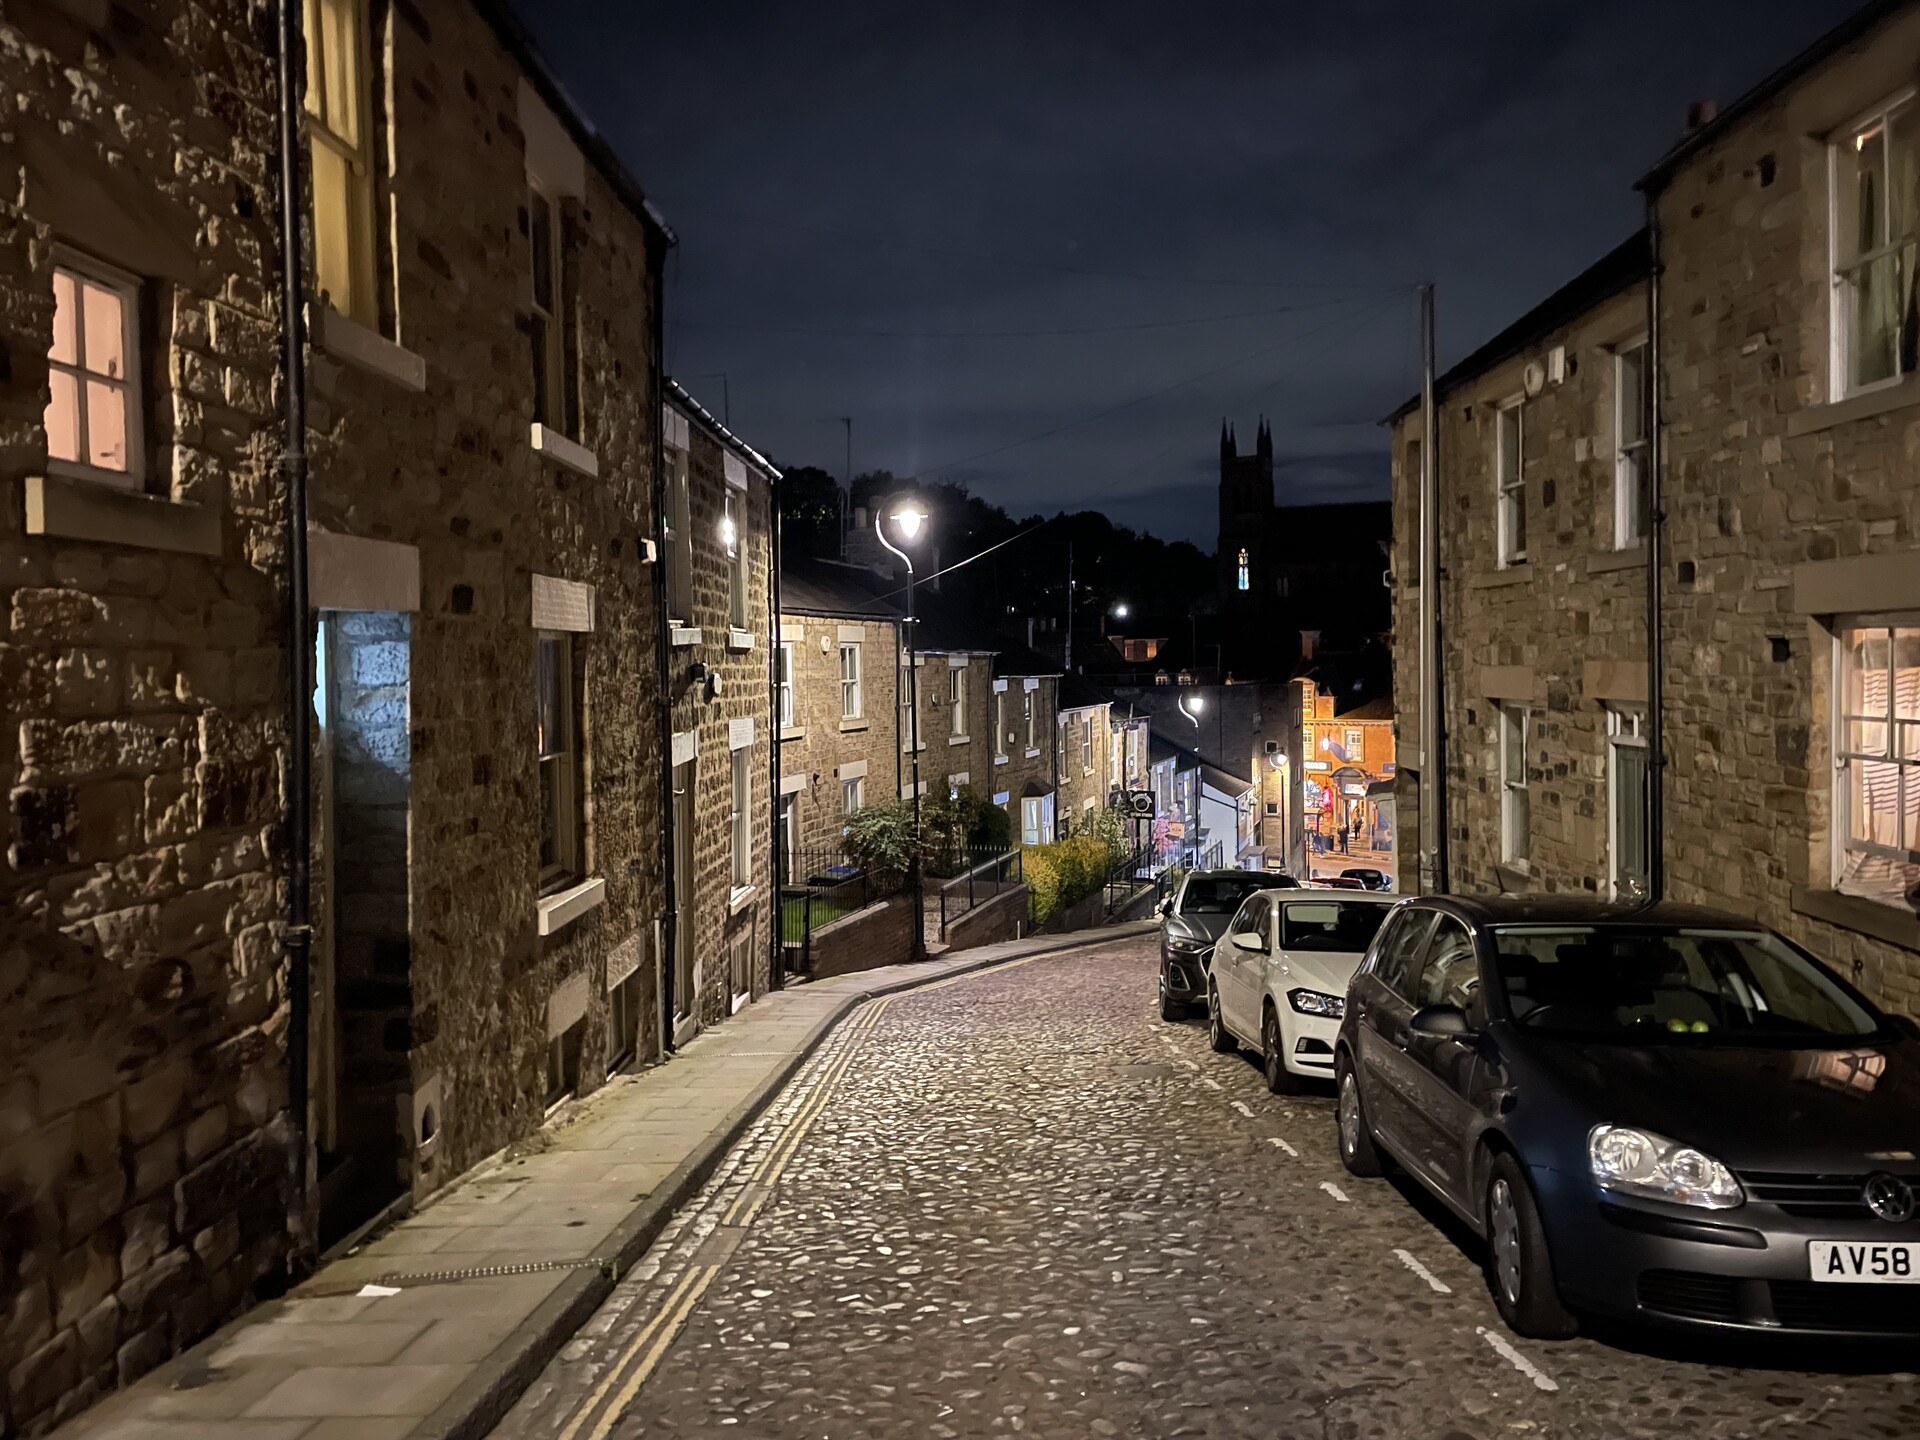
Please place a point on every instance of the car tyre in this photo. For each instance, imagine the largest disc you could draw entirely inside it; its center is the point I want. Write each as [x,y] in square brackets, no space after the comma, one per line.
[1357,1151]
[1280,1080]
[1218,1036]
[1519,1265]
[1170,1008]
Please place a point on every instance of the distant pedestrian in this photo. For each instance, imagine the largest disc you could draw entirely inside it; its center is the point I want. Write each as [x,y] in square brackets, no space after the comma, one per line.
[1346,839]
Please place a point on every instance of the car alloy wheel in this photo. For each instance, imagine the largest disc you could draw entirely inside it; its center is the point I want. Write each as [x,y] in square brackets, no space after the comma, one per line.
[1217,1034]
[1280,1080]
[1357,1150]
[1519,1263]
[1503,1221]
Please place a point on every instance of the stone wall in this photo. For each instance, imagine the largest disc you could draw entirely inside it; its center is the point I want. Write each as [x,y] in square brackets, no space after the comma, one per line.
[1017,767]
[1004,917]
[142,1126]
[1083,788]
[881,934]
[814,753]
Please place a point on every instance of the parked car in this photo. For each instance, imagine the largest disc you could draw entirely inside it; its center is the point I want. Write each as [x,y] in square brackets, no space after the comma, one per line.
[1279,979]
[1649,1111]
[1368,877]
[1337,882]
[1191,919]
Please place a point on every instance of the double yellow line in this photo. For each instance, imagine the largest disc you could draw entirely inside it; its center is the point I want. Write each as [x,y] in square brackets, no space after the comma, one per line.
[595,1419]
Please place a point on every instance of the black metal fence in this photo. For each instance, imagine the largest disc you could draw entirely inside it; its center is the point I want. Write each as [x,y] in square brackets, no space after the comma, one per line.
[1126,877]
[823,885]
[988,873]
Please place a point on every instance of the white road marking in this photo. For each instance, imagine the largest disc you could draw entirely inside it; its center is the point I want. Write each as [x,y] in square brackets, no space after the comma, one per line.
[1209,1082]
[1439,1286]
[1241,1106]
[1334,1190]
[1276,1140]
[1541,1380]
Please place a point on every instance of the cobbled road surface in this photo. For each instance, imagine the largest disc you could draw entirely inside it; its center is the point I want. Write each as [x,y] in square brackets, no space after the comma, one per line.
[1017,1203]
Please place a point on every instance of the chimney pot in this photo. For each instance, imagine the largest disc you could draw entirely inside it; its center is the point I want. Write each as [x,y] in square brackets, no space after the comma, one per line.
[1702,113]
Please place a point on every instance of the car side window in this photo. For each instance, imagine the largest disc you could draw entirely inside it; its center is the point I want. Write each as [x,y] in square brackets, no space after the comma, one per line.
[1451,974]
[1252,918]
[1400,951]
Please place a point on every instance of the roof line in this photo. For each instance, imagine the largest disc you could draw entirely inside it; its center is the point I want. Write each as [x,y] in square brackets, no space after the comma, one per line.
[678,393]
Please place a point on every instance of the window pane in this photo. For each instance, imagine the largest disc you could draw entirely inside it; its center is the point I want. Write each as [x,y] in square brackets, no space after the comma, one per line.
[549,689]
[339,35]
[1633,399]
[333,228]
[1903,175]
[1866,737]
[311,29]
[542,214]
[1630,816]
[103,317]
[1869,203]
[106,426]
[1876,318]
[1517,521]
[552,801]
[1906,674]
[63,417]
[1520,819]
[1513,749]
[66,322]
[1867,655]
[1876,796]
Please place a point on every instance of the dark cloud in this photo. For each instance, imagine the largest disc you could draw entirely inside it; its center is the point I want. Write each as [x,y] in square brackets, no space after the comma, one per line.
[1080,167]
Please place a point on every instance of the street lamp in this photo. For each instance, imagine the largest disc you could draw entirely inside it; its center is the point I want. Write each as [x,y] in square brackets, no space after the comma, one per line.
[908,519]
[1191,706]
[1121,610]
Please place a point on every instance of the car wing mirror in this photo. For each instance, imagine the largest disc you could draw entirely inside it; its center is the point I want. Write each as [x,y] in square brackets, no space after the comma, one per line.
[1247,940]
[1442,1022]
[1164,908]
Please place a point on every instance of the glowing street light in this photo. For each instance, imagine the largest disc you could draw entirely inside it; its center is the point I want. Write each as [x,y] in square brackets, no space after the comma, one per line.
[909,517]
[1121,610]
[1191,706]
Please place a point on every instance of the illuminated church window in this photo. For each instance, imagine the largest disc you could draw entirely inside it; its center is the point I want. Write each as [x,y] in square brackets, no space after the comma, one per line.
[1243,580]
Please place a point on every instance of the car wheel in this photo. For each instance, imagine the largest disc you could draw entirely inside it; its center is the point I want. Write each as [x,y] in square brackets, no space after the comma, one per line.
[1357,1150]
[1170,1008]
[1519,1267]
[1218,1036]
[1273,1057]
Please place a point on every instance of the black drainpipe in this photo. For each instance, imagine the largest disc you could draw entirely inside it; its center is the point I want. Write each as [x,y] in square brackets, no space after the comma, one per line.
[1655,513]
[298,939]
[776,970]
[663,655]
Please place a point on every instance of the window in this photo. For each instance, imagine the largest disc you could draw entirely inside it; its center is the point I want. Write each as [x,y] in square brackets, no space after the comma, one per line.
[853,795]
[339,126]
[679,535]
[850,698]
[1511,484]
[1242,573]
[957,701]
[556,721]
[563,1063]
[1032,828]
[742,817]
[1451,974]
[1399,950]
[1516,823]
[1086,743]
[623,1021]
[1877,758]
[1630,448]
[93,415]
[785,678]
[909,729]
[1027,718]
[1627,808]
[1001,735]
[556,390]
[1356,744]
[733,532]
[1875,204]
[1255,919]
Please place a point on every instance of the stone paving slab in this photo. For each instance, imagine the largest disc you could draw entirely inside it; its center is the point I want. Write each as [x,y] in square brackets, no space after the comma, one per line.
[445,1358]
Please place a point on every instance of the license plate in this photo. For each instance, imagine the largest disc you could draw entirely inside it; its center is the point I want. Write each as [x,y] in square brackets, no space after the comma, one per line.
[1847,1263]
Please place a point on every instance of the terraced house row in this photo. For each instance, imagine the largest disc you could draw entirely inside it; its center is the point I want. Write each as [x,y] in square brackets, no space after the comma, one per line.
[386,684]
[1714,426]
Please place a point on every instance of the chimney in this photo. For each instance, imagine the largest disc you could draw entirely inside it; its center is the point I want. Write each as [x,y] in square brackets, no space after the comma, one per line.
[1702,113]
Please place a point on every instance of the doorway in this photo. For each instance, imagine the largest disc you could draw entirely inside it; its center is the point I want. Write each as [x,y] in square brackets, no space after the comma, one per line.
[363,1000]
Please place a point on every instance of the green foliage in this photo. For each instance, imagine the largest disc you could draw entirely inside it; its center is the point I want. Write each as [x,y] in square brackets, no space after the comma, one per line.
[880,838]
[991,828]
[1066,871]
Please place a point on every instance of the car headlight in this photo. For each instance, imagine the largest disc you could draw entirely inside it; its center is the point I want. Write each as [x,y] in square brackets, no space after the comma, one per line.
[1182,946]
[1639,1162]
[1313,1002]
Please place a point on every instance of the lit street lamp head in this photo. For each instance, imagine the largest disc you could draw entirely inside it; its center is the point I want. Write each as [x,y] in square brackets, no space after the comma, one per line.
[1121,610]
[908,519]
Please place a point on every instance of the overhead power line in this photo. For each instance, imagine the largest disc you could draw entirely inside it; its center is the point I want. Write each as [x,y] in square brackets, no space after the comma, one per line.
[1009,334]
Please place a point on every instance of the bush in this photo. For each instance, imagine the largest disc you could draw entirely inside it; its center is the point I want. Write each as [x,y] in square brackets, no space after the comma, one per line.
[1065,872]
[880,838]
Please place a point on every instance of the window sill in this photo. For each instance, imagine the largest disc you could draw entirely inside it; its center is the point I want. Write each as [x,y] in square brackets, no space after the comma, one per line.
[793,732]
[847,726]
[1000,759]
[563,907]
[1033,754]
[739,640]
[1493,579]
[1888,398]
[88,510]
[1632,557]
[739,898]
[570,454]
[1863,917]
[682,636]
[1513,878]
[352,343]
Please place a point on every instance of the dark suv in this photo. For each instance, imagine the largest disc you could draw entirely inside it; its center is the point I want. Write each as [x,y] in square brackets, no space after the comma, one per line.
[1191,920]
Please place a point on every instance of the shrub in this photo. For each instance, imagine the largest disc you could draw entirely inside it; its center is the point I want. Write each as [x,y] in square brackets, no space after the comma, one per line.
[1065,872]
[880,838]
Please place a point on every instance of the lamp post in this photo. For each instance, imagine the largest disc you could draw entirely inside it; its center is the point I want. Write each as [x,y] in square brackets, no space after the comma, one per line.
[907,517]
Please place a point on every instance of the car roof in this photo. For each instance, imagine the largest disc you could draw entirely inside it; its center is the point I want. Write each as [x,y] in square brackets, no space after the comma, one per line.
[1481,910]
[1226,874]
[1340,895]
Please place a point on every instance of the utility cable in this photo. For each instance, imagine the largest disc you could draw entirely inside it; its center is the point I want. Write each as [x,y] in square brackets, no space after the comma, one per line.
[742,325]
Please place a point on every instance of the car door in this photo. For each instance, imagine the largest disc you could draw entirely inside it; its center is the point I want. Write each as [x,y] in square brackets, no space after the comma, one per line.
[1382,996]
[1445,1070]
[1239,970]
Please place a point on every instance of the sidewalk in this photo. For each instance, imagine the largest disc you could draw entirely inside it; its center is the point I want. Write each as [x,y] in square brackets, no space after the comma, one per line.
[445,1356]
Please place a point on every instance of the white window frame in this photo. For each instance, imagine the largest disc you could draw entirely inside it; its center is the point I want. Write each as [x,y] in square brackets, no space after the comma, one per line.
[853,795]
[1000,736]
[741,818]
[1029,715]
[1839,267]
[361,303]
[1356,743]
[550,359]
[1851,852]
[1086,743]
[84,270]
[1032,805]
[680,534]
[569,863]
[1626,730]
[788,654]
[1516,840]
[957,701]
[1630,457]
[734,533]
[1510,495]
[852,691]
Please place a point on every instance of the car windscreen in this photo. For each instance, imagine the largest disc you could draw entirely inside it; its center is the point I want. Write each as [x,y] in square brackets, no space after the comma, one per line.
[1340,926]
[1220,894]
[1660,985]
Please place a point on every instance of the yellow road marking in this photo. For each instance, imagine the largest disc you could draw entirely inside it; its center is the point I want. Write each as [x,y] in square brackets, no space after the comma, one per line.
[647,1331]
[665,1337]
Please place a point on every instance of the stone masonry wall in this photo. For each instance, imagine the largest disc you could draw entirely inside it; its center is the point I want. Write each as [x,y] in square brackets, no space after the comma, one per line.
[1024,767]
[142,1127]
[822,742]
[1080,784]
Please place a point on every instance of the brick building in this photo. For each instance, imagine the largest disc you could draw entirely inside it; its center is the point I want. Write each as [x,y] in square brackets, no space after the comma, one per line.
[1789,586]
[1347,755]
[956,702]
[1023,710]
[1083,751]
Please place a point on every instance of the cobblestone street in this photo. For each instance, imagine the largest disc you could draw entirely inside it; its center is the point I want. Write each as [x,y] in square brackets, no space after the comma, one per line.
[1015,1202]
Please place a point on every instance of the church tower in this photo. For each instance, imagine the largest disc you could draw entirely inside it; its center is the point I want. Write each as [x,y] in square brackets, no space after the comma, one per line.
[1246,511]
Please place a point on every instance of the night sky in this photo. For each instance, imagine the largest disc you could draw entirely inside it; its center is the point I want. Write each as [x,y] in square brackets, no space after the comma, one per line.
[1042,248]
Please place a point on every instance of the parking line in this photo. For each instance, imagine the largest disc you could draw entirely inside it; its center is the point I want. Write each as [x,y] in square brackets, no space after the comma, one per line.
[1541,1380]
[1439,1286]
[1334,1190]
[1276,1140]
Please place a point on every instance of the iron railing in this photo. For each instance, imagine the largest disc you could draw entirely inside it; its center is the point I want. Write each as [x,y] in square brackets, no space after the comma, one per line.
[1125,877]
[991,873]
[823,885]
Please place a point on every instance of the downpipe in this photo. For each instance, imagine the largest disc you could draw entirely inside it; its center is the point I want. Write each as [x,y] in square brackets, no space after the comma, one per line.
[776,926]
[663,661]
[1655,521]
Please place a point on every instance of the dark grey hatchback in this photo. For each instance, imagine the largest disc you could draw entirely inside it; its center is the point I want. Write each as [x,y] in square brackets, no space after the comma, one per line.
[1192,918]
[1654,1112]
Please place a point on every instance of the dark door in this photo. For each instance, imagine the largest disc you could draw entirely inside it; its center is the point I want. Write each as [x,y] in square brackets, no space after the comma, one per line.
[1444,1072]
[1384,1004]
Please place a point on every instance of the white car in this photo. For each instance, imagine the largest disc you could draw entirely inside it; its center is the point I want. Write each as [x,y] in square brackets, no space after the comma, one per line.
[1279,977]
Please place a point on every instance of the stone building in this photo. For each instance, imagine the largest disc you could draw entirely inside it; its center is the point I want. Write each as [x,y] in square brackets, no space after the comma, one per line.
[1789,589]
[839,730]
[1346,756]
[721,680]
[956,701]
[1083,752]
[1023,709]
